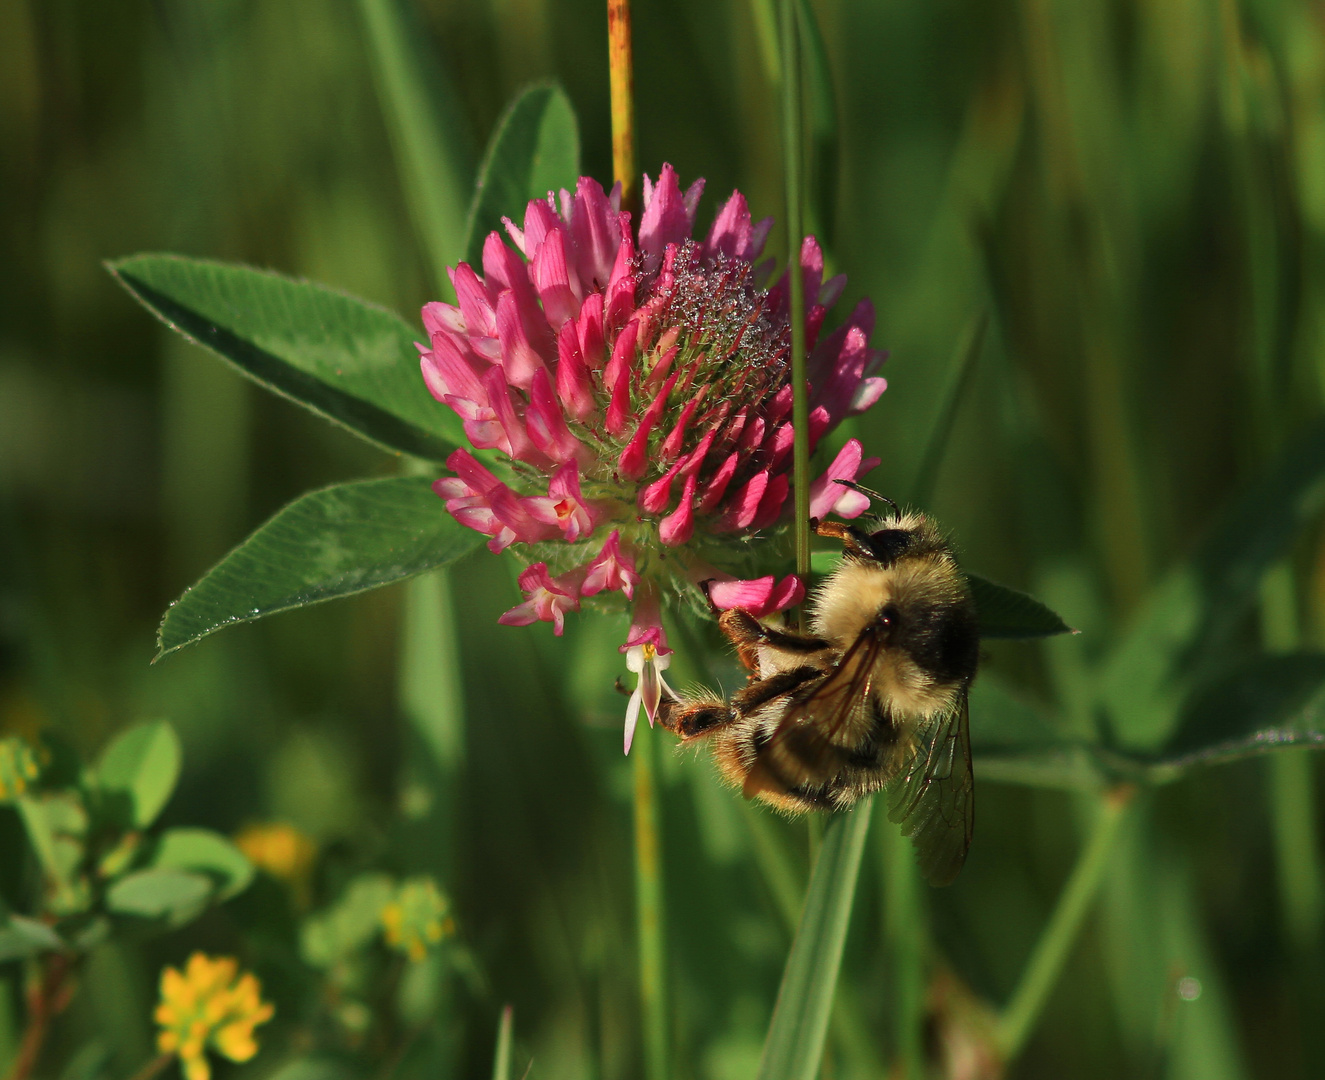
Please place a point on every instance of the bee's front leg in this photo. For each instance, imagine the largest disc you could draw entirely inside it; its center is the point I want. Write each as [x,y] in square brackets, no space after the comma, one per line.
[747,633]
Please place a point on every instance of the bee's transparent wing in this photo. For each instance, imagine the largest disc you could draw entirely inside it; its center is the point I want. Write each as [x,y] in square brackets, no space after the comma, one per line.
[803,748]
[934,795]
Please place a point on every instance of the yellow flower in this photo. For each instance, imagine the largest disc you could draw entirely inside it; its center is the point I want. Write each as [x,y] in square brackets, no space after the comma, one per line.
[18,767]
[417,918]
[209,1004]
[282,851]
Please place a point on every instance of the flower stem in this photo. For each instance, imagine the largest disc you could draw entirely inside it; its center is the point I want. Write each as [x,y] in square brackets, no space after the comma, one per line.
[621,71]
[793,168]
[47,998]
[1051,951]
[649,910]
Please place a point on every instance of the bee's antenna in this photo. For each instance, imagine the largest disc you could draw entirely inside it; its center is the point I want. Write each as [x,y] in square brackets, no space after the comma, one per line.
[870,493]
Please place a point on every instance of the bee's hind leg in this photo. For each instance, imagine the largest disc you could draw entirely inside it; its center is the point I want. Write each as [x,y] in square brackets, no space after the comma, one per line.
[689,719]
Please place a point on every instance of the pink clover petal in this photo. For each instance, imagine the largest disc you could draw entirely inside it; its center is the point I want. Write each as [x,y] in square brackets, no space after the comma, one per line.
[506,405]
[469,469]
[574,516]
[770,506]
[654,498]
[634,458]
[759,596]
[445,368]
[574,387]
[668,215]
[589,330]
[646,626]
[678,526]
[750,595]
[745,503]
[716,487]
[623,356]
[439,318]
[789,592]
[513,512]
[540,219]
[552,280]
[619,303]
[519,358]
[867,393]
[828,497]
[546,424]
[611,569]
[596,230]
[547,599]
[475,303]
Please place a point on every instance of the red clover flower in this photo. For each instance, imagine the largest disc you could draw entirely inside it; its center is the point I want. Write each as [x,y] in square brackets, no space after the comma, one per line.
[628,398]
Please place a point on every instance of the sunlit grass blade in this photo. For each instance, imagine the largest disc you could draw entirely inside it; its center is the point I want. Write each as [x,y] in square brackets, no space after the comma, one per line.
[432,148]
[794,1046]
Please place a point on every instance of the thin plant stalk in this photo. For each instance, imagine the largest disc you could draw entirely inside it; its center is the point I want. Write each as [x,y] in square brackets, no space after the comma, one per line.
[793,168]
[648,839]
[621,70]
[1055,944]
[649,910]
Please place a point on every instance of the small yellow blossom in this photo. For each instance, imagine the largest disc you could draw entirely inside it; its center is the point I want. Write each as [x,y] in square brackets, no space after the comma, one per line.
[207,1005]
[417,918]
[282,851]
[18,767]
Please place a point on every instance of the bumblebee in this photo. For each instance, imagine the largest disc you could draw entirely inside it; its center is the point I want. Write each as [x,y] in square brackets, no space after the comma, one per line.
[873,697]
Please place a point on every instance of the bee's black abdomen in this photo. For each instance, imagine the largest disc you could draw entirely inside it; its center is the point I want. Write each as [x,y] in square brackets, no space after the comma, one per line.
[944,640]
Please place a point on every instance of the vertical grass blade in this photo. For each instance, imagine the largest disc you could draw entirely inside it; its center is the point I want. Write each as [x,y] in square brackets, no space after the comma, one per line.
[905,931]
[922,490]
[795,1043]
[1051,951]
[501,1061]
[432,148]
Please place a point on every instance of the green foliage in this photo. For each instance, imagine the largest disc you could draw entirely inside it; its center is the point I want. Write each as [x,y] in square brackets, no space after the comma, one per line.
[332,936]
[328,544]
[1139,205]
[137,773]
[535,148]
[345,359]
[205,852]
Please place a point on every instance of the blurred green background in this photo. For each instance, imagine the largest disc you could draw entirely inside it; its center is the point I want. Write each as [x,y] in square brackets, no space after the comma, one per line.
[1133,190]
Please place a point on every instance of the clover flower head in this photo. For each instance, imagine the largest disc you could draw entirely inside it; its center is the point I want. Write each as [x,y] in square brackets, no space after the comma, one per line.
[626,392]
[417,918]
[209,1004]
